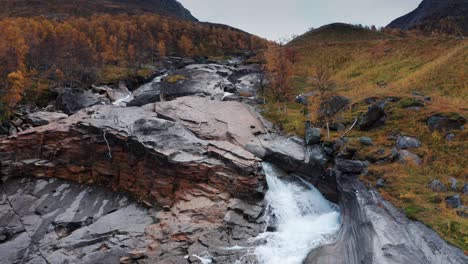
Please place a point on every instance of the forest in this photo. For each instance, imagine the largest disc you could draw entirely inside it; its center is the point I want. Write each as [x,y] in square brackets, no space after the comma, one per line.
[39,53]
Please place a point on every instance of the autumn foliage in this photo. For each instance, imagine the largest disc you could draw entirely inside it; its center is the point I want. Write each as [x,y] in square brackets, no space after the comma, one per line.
[40,52]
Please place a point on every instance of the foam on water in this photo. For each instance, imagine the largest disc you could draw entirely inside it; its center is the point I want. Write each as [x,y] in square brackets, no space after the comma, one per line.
[304,220]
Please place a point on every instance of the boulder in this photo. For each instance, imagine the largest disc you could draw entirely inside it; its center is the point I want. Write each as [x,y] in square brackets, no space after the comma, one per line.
[366,141]
[453,201]
[316,156]
[71,100]
[313,135]
[445,122]
[192,80]
[333,105]
[409,157]
[350,166]
[44,118]
[437,186]
[453,184]
[405,142]
[373,118]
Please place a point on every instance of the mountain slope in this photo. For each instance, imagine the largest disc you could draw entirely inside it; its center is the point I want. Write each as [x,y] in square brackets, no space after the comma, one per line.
[338,32]
[447,16]
[65,8]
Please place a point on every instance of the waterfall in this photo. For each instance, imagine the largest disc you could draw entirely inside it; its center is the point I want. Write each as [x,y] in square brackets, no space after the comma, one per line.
[303,219]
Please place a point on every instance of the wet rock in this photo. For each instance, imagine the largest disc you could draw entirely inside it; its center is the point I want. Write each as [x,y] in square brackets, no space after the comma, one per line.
[350,166]
[373,118]
[437,186]
[286,153]
[366,141]
[313,135]
[409,157]
[445,122]
[405,142]
[453,201]
[380,238]
[71,100]
[317,156]
[44,118]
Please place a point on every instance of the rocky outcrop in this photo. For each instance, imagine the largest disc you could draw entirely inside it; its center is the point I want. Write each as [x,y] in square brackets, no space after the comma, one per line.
[72,100]
[374,117]
[44,118]
[445,122]
[53,221]
[374,231]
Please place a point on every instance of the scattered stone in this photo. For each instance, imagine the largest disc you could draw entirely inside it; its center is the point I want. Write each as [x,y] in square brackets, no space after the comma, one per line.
[17,122]
[450,137]
[366,141]
[462,211]
[43,118]
[380,183]
[333,105]
[313,135]
[408,156]
[350,166]
[453,184]
[405,142]
[437,186]
[444,122]
[453,201]
[373,118]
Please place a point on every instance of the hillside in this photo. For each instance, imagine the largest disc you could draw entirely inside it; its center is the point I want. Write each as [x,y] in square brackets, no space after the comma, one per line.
[447,16]
[417,78]
[338,32]
[66,8]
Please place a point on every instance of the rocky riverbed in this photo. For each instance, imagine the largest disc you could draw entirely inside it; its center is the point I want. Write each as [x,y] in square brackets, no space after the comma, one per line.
[188,147]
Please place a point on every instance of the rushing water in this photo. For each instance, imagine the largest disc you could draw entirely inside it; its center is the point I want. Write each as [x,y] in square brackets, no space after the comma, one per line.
[303,219]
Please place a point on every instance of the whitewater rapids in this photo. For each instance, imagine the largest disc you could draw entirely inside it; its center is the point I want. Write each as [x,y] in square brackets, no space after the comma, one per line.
[302,217]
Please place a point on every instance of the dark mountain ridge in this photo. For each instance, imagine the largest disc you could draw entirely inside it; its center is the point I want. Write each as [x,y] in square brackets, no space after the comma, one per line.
[66,8]
[448,16]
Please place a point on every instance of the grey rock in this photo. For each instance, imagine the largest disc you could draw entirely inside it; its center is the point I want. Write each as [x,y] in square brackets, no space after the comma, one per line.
[385,235]
[52,221]
[380,183]
[71,100]
[450,137]
[446,122]
[373,118]
[465,189]
[350,166]
[405,142]
[366,141]
[453,201]
[44,118]
[437,186]
[453,184]
[333,105]
[409,157]
[12,130]
[317,156]
[313,135]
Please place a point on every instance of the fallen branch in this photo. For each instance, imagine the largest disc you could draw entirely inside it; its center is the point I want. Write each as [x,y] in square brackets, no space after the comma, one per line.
[349,130]
[108,147]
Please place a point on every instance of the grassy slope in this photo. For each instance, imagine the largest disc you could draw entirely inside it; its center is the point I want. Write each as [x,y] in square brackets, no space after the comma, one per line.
[370,64]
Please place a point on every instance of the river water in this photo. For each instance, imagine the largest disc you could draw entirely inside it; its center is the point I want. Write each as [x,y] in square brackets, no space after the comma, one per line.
[302,218]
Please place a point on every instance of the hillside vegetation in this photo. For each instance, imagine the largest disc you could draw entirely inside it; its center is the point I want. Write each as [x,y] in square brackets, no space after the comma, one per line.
[366,64]
[37,54]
